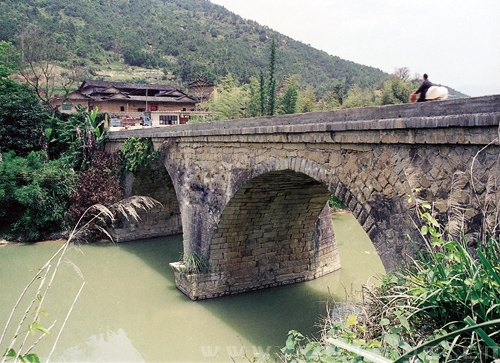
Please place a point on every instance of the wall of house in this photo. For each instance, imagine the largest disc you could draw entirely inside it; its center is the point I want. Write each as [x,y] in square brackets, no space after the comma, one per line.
[71,103]
[128,107]
[134,106]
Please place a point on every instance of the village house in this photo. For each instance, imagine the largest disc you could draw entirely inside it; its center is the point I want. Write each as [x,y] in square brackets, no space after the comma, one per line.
[132,104]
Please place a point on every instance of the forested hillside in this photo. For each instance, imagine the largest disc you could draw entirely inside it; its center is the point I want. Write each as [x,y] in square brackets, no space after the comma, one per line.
[185,39]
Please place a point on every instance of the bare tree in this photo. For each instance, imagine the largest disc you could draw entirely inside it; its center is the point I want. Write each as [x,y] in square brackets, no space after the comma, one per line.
[403,73]
[38,68]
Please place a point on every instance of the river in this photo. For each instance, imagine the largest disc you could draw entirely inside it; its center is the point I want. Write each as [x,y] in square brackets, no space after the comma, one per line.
[130,310]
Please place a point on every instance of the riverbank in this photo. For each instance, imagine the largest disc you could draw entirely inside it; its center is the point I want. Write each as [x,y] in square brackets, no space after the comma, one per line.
[60,241]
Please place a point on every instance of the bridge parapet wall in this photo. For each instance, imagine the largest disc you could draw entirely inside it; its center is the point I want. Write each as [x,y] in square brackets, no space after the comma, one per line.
[458,113]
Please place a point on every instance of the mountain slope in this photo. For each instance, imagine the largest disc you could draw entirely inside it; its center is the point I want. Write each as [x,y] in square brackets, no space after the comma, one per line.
[185,38]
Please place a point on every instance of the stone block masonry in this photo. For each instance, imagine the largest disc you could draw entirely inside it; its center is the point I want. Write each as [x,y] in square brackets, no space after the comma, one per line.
[251,193]
[163,220]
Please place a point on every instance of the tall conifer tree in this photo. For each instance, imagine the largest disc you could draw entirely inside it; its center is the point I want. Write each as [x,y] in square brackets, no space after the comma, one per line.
[271,88]
[262,94]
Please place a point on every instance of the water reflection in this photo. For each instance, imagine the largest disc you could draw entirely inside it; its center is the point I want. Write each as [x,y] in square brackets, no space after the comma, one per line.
[131,311]
[109,347]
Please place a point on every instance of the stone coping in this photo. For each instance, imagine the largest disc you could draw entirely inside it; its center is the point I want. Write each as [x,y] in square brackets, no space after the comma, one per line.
[464,112]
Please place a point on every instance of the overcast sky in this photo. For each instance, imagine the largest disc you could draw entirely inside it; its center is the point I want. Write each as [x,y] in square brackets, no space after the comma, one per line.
[457,42]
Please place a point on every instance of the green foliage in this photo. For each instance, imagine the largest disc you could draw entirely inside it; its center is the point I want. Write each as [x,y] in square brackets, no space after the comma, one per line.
[396,90]
[335,203]
[21,118]
[307,100]
[262,94]
[78,135]
[341,342]
[193,264]
[448,287]
[34,194]
[228,101]
[271,85]
[288,102]
[443,306]
[27,358]
[254,107]
[136,153]
[357,97]
[7,56]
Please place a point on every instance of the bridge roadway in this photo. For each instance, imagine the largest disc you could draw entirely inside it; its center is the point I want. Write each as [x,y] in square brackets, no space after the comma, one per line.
[250,196]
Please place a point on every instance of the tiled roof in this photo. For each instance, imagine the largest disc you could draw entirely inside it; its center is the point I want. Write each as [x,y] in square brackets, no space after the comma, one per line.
[124,85]
[156,99]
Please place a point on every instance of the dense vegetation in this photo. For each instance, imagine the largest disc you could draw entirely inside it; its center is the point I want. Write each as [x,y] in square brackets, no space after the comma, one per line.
[51,168]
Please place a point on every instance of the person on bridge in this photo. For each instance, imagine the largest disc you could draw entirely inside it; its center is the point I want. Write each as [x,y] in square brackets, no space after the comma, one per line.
[426,84]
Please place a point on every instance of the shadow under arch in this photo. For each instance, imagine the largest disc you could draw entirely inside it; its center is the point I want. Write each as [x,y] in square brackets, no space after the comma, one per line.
[275,230]
[163,220]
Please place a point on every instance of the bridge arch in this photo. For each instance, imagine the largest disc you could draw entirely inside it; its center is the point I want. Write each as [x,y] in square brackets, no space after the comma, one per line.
[165,219]
[276,227]
[274,230]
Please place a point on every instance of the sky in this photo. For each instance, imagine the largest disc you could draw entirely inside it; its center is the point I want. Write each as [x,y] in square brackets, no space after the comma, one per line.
[456,42]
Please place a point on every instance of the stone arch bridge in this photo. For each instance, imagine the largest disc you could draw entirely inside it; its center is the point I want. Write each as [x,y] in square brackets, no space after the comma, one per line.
[250,196]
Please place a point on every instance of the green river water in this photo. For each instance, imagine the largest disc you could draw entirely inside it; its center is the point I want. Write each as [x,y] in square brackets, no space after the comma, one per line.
[131,311]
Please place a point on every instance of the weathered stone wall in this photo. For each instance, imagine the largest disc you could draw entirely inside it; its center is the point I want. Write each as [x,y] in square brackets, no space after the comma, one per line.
[265,236]
[163,220]
[229,176]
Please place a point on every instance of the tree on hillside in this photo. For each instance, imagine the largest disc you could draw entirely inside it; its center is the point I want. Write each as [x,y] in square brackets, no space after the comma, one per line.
[21,116]
[395,91]
[254,108]
[7,60]
[357,97]
[271,86]
[307,100]
[262,92]
[403,73]
[340,90]
[288,101]
[228,101]
[36,64]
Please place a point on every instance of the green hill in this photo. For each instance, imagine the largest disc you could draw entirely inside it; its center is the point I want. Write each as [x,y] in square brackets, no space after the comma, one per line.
[185,39]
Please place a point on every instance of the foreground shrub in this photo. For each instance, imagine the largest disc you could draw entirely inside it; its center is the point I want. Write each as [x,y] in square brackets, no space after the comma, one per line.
[447,288]
[34,194]
[444,306]
[99,184]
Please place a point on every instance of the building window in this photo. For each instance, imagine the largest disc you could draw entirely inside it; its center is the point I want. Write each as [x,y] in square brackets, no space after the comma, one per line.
[67,106]
[122,108]
[153,107]
[169,120]
[184,109]
[140,109]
